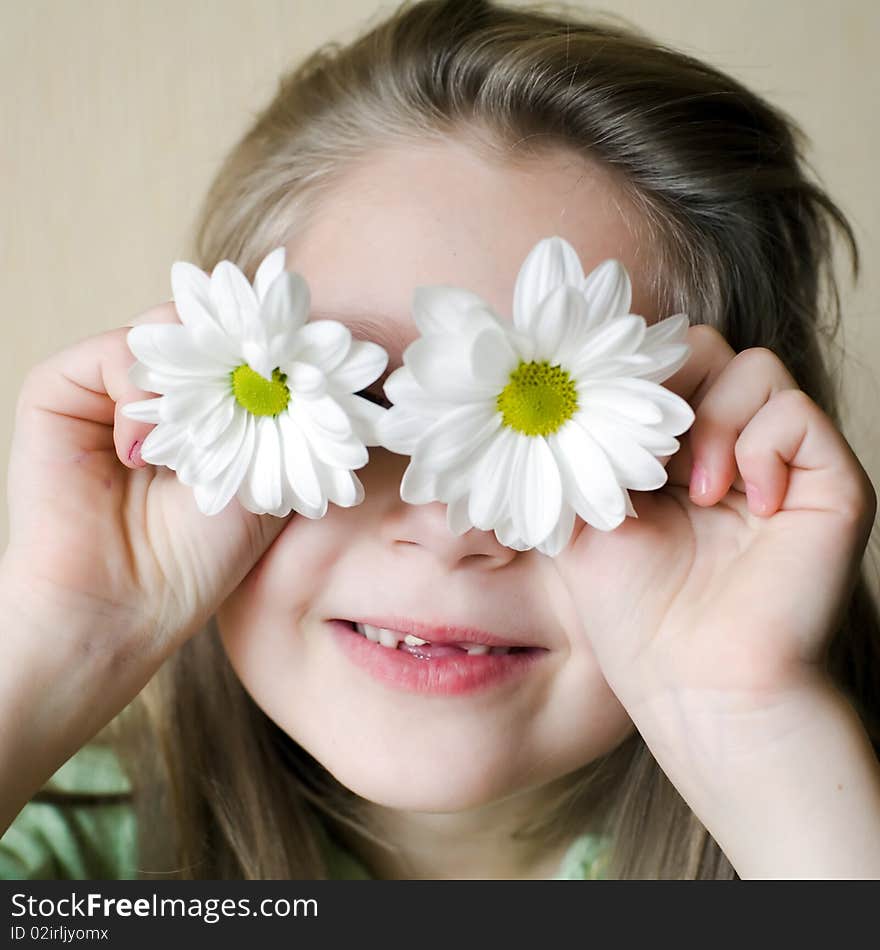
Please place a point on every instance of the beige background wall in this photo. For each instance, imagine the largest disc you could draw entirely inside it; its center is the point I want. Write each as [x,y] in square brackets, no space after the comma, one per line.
[115,113]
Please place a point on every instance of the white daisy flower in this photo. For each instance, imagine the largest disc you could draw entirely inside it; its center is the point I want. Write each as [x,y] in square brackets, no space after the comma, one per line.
[519,427]
[256,403]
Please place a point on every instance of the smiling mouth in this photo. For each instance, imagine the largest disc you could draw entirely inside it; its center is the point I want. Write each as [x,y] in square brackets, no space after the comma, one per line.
[418,646]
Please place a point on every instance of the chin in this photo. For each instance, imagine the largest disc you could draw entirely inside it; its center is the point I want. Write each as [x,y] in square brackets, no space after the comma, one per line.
[422,784]
[451,796]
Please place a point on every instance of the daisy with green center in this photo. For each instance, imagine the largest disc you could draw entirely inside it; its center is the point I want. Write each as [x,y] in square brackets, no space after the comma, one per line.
[518,428]
[256,402]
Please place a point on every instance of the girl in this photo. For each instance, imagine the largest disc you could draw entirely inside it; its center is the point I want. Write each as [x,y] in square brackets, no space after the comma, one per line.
[704,698]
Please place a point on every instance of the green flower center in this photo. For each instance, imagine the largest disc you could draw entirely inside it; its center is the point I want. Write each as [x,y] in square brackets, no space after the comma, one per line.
[538,400]
[260,396]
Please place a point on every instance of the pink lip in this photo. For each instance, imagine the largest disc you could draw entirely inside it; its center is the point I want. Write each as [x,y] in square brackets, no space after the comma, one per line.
[440,633]
[447,675]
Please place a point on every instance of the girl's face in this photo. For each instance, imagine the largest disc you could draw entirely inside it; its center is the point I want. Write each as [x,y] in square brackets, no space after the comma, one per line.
[407,217]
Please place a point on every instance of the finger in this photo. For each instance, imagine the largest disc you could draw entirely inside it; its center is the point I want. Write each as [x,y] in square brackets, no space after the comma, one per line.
[129,434]
[710,353]
[792,457]
[68,402]
[740,390]
[161,313]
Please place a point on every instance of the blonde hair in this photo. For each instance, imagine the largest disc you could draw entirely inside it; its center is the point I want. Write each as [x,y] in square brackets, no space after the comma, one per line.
[744,241]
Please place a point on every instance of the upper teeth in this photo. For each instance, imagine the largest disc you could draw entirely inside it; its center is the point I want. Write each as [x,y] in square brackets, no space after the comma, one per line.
[391,638]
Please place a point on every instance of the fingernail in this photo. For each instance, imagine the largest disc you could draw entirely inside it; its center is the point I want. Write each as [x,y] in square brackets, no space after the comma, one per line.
[134,454]
[700,480]
[753,495]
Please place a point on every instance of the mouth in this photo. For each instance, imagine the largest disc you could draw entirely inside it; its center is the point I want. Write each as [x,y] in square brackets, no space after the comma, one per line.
[435,642]
[435,659]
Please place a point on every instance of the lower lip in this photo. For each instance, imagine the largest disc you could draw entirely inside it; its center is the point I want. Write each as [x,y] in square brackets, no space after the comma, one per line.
[447,676]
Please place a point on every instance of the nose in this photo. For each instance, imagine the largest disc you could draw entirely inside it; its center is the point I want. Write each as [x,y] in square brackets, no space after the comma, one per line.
[425,526]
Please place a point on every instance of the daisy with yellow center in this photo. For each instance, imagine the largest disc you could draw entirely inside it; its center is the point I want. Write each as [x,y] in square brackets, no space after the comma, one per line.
[256,403]
[518,428]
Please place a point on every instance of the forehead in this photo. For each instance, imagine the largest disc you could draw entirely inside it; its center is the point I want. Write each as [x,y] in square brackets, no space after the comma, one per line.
[443,214]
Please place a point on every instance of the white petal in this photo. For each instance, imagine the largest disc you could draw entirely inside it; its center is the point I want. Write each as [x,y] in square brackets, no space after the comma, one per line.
[558,539]
[629,364]
[493,358]
[399,429]
[212,497]
[299,463]
[191,289]
[550,263]
[294,501]
[619,337]
[270,267]
[171,350]
[195,306]
[444,367]
[258,356]
[677,413]
[149,380]
[456,480]
[235,301]
[145,410]
[449,310]
[634,466]
[324,414]
[608,292]
[286,306]
[535,489]
[216,421]
[324,343]
[341,453]
[669,330]
[509,538]
[606,394]
[653,439]
[189,404]
[457,516]
[345,488]
[457,435]
[558,323]
[490,489]
[665,361]
[418,485]
[205,463]
[588,479]
[263,480]
[363,415]
[363,364]
[305,380]
[164,445]
[402,389]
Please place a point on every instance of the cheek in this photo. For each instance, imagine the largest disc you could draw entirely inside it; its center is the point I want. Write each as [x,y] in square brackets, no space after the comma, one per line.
[264,610]
[588,718]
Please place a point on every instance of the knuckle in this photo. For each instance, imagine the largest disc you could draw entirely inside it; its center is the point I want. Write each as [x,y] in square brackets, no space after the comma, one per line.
[851,506]
[746,452]
[758,358]
[32,386]
[793,400]
[866,497]
[162,313]
[856,500]
[703,334]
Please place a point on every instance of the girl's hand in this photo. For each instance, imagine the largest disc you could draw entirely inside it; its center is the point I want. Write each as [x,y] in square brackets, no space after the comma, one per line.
[99,540]
[727,588]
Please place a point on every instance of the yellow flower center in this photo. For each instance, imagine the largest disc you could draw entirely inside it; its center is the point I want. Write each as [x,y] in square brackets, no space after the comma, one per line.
[538,399]
[261,397]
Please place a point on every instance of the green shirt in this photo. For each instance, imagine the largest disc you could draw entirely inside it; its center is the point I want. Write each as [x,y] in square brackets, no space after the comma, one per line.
[77,841]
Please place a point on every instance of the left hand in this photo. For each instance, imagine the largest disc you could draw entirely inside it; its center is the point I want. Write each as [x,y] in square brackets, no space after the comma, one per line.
[725,600]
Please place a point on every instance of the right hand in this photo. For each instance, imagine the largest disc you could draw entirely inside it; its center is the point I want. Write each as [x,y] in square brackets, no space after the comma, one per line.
[100,541]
